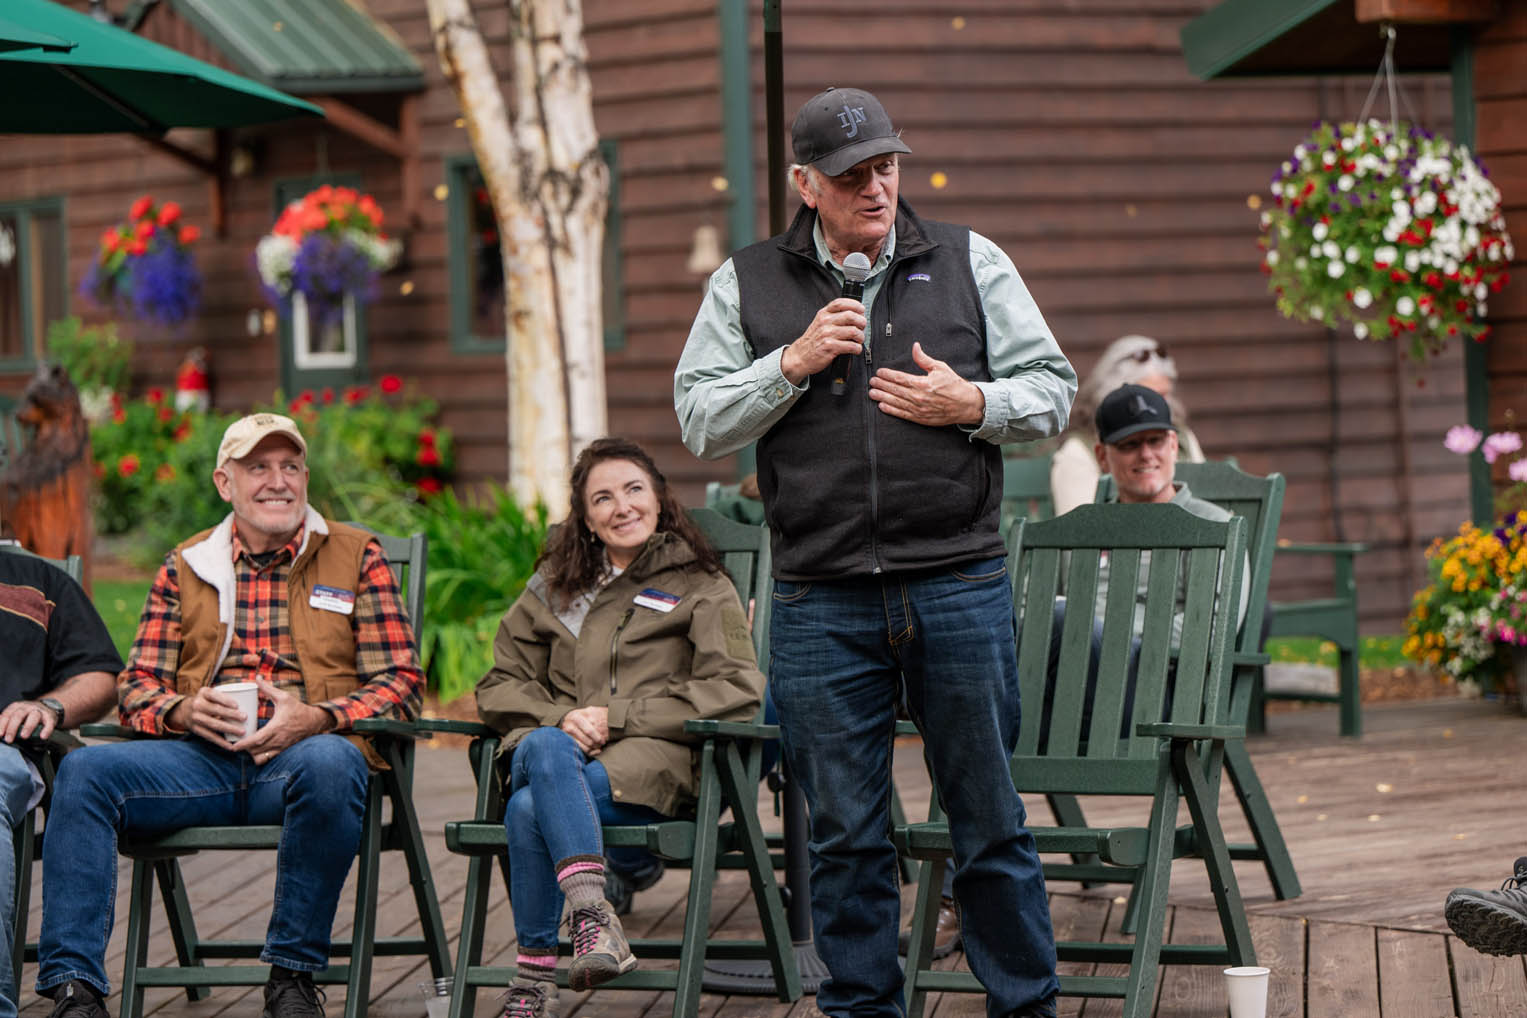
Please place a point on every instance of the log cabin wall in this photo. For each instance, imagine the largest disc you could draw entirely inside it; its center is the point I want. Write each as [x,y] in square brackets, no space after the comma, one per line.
[1072,134]
[1500,94]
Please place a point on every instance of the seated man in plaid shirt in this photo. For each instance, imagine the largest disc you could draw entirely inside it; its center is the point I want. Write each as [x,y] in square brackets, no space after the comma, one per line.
[309,611]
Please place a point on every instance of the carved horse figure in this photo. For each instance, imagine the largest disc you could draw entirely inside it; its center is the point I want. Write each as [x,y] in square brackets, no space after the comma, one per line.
[45,489]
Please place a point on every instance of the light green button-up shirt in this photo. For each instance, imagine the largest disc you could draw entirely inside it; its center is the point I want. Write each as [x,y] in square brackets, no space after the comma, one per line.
[726,396]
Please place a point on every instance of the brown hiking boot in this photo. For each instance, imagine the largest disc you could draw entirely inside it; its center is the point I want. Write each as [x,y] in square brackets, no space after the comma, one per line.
[600,949]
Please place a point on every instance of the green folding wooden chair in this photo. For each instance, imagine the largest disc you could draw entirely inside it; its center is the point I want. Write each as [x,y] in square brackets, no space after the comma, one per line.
[393,828]
[729,773]
[1169,749]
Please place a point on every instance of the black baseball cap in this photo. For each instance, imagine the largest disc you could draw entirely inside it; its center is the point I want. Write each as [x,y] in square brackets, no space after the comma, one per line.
[1129,410]
[840,128]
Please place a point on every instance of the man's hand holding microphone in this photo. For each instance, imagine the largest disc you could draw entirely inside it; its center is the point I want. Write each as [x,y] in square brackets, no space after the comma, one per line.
[837,331]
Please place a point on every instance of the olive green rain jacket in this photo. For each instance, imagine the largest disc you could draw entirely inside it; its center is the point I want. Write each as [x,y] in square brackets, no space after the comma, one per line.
[662,644]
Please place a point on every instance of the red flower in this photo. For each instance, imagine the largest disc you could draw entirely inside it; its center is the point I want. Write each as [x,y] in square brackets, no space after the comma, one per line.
[427,456]
[118,415]
[144,229]
[390,384]
[189,235]
[182,431]
[100,471]
[169,213]
[155,396]
[140,207]
[327,395]
[109,241]
[166,472]
[357,394]
[427,436]
[166,414]
[429,486]
[128,465]
[136,248]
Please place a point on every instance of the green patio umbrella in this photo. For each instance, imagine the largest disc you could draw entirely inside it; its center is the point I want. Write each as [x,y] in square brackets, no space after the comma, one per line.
[112,80]
[14,36]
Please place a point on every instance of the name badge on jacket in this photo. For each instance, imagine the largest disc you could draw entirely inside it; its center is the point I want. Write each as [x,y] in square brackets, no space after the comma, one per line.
[657,600]
[332,599]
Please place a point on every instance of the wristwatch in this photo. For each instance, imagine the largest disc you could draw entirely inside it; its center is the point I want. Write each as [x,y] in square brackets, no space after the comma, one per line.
[57,709]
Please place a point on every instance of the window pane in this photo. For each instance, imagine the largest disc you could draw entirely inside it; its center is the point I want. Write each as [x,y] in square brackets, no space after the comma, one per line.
[12,340]
[485,266]
[50,288]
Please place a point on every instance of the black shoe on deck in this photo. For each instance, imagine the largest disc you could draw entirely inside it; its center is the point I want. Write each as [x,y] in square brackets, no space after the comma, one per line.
[77,999]
[1492,922]
[291,994]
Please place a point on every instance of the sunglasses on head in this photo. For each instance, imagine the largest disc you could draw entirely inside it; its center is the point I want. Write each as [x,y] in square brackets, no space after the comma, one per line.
[1143,355]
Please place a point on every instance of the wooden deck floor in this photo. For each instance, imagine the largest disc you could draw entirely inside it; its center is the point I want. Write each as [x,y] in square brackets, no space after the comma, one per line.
[1380,829]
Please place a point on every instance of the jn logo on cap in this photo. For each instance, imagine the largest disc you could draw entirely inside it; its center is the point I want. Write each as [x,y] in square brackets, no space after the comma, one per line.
[851,118]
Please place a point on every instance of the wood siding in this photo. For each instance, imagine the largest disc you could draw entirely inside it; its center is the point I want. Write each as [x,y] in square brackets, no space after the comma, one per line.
[1072,134]
[1500,91]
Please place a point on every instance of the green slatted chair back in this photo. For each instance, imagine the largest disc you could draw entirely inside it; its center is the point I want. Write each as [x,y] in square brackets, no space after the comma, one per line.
[1175,550]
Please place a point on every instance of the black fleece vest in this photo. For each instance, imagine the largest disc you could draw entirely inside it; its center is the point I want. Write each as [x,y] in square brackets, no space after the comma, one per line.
[849,490]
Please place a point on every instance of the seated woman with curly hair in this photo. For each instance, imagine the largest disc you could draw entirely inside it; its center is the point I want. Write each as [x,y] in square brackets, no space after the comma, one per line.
[628,629]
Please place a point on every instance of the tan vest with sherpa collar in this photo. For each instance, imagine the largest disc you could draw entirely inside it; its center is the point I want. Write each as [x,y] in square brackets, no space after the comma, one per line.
[330,555]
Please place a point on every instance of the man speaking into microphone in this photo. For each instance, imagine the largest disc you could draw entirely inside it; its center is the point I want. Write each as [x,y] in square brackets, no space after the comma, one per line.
[883,505]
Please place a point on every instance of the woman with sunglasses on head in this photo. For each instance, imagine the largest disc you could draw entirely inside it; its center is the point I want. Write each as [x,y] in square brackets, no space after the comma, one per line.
[1137,360]
[628,629]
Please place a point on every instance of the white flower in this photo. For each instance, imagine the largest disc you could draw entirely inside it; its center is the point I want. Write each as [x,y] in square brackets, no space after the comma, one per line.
[1385,255]
[1344,182]
[1301,262]
[1298,151]
[1426,201]
[1361,298]
[1266,220]
[1331,249]
[1412,261]
[1346,144]
[1405,306]
[1272,258]
[1316,312]
[1315,251]
[1328,158]
[1481,291]
[1335,268]
[1320,231]
[274,255]
[1353,254]
[1359,330]
[1391,232]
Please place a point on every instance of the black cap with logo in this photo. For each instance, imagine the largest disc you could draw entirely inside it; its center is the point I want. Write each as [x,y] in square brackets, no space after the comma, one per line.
[840,128]
[1129,410]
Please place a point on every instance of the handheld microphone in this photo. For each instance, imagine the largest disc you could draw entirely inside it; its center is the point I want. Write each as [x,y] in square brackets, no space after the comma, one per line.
[856,269]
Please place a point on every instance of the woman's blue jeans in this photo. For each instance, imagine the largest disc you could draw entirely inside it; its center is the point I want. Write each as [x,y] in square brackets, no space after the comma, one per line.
[558,798]
[315,789]
[840,652]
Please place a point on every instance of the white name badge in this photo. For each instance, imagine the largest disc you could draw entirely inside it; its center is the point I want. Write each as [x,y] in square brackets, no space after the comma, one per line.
[332,599]
[657,600]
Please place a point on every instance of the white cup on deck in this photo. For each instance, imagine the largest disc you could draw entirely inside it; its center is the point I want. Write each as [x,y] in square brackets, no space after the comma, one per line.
[1247,987]
[248,696]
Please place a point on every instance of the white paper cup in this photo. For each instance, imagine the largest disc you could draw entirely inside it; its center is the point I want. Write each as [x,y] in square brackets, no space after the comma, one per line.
[1247,987]
[247,694]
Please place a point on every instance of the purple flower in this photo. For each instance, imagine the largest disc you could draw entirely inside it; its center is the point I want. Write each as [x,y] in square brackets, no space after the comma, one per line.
[161,285]
[1501,441]
[325,269]
[1462,439]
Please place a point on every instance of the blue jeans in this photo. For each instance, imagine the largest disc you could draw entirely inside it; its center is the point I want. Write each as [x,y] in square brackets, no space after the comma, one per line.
[558,798]
[838,653]
[316,791]
[15,792]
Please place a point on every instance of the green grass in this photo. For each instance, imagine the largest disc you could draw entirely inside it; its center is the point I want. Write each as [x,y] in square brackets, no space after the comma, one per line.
[1382,652]
[120,602]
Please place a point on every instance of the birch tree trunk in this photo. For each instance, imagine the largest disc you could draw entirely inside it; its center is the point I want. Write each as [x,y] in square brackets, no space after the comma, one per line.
[550,189]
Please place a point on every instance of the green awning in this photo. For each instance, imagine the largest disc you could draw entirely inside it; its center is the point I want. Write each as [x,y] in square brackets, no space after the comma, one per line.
[1257,37]
[113,80]
[306,47]
[14,36]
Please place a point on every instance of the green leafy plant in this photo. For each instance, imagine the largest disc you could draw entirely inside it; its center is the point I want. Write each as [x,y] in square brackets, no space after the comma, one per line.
[99,361]
[481,554]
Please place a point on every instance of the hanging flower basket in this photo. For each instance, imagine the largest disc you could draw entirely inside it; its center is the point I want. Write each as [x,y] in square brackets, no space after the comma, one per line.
[144,267]
[326,245]
[1398,235]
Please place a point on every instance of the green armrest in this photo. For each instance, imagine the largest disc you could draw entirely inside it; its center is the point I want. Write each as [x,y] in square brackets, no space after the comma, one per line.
[1244,658]
[386,726]
[1169,730]
[454,726]
[732,729]
[1323,548]
[104,730]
